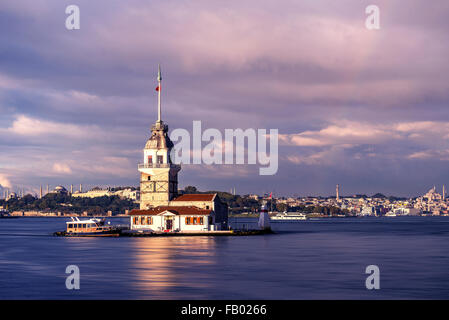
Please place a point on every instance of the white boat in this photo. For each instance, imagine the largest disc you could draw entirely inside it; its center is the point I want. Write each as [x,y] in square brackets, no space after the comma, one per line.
[390,214]
[90,227]
[292,216]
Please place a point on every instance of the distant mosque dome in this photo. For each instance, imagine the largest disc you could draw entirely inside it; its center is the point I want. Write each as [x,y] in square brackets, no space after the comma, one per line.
[60,189]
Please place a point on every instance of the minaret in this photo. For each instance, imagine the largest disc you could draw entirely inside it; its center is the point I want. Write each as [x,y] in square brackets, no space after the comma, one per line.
[444,193]
[337,192]
[40,192]
[158,176]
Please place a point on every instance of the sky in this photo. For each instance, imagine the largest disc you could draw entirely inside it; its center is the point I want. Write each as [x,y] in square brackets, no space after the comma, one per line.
[367,109]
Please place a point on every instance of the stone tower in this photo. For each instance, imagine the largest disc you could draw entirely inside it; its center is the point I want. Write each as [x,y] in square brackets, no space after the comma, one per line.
[158,176]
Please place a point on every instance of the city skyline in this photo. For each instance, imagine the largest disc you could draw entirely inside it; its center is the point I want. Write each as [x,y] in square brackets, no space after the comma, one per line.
[45,189]
[361,108]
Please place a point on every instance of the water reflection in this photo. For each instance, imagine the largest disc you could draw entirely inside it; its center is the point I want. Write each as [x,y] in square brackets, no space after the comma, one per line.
[164,265]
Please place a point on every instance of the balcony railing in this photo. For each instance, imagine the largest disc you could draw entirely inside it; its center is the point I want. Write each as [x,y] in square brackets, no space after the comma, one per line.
[158,165]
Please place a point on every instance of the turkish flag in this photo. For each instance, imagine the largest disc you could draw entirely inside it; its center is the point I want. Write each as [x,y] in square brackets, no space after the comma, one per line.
[157,88]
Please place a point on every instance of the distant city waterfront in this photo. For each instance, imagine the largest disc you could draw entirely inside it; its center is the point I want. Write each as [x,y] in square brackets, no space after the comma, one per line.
[119,201]
[314,259]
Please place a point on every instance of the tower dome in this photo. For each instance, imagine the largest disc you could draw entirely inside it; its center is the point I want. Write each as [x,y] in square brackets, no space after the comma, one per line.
[159,137]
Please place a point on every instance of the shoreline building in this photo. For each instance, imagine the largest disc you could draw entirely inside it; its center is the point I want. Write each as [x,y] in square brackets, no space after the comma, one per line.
[161,208]
[126,193]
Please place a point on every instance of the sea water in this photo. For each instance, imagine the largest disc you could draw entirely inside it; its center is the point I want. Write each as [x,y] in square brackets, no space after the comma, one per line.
[314,259]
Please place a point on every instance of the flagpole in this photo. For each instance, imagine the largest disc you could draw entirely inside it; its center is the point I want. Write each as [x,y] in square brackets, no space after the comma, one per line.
[159,78]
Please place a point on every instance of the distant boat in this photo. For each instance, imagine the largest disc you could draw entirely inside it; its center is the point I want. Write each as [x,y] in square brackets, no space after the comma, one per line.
[4,214]
[285,216]
[390,214]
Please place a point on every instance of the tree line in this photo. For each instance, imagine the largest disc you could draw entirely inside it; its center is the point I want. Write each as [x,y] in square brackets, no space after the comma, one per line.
[54,202]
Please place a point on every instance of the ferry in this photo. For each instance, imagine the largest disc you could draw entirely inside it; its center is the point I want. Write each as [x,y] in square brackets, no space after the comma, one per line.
[294,216]
[91,227]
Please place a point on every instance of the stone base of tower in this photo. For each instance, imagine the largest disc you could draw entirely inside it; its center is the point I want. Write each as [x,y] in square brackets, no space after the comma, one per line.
[158,185]
[150,203]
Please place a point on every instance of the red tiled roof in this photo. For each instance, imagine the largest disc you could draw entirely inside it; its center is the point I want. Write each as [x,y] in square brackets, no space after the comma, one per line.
[175,210]
[196,197]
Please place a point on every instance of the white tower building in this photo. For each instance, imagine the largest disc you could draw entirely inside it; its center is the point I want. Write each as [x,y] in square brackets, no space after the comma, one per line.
[158,176]
[264,218]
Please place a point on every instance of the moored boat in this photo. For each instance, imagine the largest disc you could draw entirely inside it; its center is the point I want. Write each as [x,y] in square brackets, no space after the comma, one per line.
[4,214]
[293,216]
[89,228]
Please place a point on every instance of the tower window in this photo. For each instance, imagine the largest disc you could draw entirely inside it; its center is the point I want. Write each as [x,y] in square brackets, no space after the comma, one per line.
[150,159]
[160,159]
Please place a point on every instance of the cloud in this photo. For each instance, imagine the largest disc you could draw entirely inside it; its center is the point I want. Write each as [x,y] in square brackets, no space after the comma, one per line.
[24,125]
[363,140]
[313,159]
[343,98]
[225,171]
[430,154]
[342,133]
[61,168]
[357,133]
[4,181]
[30,130]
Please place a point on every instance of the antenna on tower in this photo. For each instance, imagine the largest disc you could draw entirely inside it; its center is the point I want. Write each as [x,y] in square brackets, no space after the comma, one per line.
[159,79]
